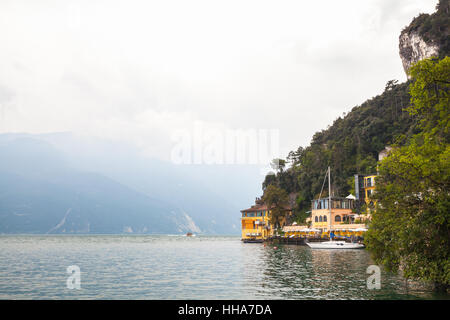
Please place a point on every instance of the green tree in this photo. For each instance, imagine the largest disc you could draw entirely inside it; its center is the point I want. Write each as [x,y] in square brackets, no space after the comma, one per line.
[276,200]
[410,230]
[278,165]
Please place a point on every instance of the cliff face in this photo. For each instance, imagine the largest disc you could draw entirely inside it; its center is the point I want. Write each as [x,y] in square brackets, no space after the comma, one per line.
[426,36]
[413,48]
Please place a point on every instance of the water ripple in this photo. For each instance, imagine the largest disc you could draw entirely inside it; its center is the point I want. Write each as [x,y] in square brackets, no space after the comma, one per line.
[177,267]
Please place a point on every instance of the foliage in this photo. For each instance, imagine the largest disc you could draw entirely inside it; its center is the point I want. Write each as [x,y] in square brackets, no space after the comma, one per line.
[278,165]
[276,199]
[351,145]
[410,230]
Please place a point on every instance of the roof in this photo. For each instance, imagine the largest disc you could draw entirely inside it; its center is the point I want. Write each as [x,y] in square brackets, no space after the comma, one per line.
[294,228]
[332,198]
[261,207]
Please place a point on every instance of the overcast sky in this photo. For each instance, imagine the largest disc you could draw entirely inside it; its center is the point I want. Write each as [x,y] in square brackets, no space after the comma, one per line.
[138,70]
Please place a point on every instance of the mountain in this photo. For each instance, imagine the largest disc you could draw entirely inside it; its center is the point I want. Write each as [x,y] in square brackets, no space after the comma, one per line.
[426,36]
[40,193]
[61,183]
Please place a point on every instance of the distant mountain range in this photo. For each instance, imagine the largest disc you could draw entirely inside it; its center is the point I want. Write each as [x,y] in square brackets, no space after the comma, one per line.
[60,183]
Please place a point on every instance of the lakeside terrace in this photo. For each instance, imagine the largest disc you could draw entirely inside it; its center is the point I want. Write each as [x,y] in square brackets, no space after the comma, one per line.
[342,231]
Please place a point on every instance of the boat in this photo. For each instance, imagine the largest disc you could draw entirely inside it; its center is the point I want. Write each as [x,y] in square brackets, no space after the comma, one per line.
[189,234]
[333,244]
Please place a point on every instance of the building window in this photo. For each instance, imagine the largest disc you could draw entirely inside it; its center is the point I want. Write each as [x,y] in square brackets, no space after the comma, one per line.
[320,219]
[337,218]
[316,219]
[324,218]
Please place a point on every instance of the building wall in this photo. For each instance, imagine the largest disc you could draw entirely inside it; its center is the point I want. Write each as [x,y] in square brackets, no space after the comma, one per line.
[369,188]
[325,213]
[248,226]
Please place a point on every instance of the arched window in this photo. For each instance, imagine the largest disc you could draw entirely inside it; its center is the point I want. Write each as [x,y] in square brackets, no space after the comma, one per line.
[324,218]
[337,218]
[320,219]
[316,219]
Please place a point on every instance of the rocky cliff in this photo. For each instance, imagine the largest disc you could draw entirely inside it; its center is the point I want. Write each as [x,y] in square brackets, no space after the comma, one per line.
[413,48]
[426,36]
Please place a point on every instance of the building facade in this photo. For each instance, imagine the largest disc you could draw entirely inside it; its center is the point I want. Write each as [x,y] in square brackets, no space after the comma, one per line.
[342,215]
[255,222]
[365,186]
[369,189]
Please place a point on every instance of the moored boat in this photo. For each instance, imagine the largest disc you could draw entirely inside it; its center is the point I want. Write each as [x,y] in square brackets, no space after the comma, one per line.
[335,245]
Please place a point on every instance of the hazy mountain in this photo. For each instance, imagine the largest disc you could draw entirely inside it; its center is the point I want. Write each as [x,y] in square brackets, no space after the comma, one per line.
[61,183]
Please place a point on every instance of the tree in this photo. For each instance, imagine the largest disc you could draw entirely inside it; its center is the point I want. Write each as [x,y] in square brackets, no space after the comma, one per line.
[391,85]
[410,230]
[294,157]
[276,200]
[278,165]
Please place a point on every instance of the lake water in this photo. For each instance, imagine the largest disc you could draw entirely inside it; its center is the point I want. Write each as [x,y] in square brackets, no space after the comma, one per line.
[179,267]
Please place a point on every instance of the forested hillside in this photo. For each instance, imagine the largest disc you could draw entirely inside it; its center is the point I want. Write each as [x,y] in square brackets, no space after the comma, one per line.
[351,144]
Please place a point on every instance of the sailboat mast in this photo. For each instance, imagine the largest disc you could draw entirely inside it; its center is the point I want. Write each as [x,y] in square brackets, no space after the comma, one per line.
[329,199]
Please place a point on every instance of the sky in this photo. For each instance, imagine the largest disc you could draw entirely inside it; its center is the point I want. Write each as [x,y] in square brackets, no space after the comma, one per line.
[143,71]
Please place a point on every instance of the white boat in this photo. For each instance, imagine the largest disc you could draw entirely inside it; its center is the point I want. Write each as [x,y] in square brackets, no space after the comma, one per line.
[334,245]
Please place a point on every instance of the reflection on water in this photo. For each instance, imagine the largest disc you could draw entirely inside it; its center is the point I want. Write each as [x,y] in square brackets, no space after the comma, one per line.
[177,267]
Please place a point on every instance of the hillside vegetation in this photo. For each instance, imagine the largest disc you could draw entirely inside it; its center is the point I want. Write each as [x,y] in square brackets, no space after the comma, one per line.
[349,146]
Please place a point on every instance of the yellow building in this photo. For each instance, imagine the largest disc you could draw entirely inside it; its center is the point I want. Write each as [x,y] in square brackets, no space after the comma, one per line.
[369,189]
[342,216]
[256,225]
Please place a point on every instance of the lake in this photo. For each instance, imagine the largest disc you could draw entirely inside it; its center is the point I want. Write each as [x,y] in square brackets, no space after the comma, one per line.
[179,267]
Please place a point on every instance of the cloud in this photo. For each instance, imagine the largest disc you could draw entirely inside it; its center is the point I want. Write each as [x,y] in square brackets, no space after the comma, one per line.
[138,70]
